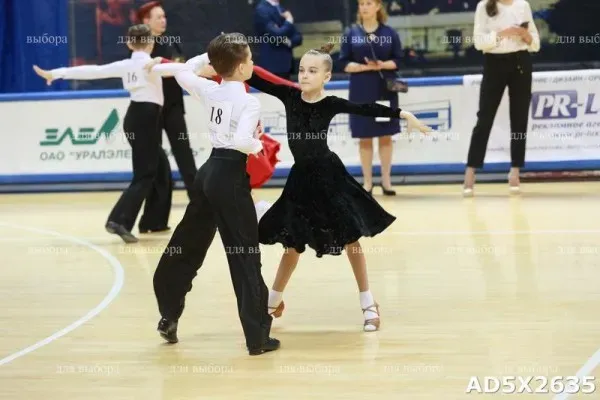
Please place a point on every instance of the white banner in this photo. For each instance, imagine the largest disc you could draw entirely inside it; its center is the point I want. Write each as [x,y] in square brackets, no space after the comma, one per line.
[86,135]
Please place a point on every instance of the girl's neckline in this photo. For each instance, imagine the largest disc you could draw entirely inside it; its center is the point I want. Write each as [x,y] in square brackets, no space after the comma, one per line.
[314,101]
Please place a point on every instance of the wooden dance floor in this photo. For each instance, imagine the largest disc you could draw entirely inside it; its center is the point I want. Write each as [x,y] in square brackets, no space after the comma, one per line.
[489,286]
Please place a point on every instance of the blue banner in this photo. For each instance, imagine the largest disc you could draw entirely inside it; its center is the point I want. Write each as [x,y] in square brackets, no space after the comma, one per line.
[32,32]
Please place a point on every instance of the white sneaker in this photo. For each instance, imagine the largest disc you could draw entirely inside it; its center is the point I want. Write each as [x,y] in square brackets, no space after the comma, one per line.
[261,208]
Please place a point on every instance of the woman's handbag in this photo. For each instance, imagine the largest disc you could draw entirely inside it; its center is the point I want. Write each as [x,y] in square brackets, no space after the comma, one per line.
[396,85]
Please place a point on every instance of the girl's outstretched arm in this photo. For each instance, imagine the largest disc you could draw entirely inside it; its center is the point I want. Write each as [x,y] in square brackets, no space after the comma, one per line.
[343,106]
[83,72]
[165,67]
[269,76]
[271,84]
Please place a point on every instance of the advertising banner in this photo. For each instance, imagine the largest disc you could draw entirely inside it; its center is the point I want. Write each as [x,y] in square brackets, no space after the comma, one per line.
[86,136]
[70,137]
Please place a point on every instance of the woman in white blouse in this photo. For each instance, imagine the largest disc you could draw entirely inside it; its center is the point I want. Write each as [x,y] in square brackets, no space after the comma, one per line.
[506,34]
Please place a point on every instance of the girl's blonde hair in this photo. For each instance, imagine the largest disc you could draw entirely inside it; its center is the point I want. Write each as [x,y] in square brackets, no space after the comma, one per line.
[382,15]
[325,52]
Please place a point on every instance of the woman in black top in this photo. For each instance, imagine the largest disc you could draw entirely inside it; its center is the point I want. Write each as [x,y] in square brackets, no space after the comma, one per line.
[173,113]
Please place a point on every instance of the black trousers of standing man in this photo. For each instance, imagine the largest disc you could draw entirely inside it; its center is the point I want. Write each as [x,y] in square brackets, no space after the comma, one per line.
[152,180]
[222,201]
[499,71]
[173,122]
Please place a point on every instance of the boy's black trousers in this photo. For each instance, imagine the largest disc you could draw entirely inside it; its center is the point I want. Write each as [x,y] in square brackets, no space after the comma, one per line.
[222,201]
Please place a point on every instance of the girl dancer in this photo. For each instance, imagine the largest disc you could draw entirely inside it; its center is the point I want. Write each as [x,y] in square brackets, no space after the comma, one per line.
[151,170]
[322,205]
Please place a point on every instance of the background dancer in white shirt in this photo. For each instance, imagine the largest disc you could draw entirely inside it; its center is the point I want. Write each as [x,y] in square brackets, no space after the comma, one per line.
[151,170]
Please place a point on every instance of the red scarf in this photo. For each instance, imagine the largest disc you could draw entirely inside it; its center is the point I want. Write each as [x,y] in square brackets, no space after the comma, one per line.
[262,166]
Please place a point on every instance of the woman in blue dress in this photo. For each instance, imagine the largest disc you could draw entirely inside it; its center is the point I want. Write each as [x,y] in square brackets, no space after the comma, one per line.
[371,52]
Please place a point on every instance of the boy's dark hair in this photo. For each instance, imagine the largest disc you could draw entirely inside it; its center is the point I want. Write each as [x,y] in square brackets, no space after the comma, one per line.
[226,52]
[138,36]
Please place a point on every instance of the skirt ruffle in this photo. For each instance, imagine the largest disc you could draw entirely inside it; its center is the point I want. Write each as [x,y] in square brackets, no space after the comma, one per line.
[323,207]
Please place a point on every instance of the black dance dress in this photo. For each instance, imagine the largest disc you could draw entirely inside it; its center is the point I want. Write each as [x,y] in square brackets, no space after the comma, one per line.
[322,205]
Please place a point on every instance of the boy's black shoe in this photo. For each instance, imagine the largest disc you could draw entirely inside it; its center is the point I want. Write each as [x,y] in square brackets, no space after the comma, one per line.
[270,345]
[168,330]
[117,229]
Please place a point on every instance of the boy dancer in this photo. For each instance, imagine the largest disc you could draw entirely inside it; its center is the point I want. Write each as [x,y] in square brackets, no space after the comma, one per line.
[223,198]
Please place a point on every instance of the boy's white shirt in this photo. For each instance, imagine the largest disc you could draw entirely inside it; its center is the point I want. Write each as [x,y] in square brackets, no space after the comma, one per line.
[233,113]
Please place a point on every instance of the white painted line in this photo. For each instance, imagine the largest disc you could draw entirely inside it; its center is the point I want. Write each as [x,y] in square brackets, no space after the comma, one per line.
[509,232]
[585,371]
[114,291]
[158,238]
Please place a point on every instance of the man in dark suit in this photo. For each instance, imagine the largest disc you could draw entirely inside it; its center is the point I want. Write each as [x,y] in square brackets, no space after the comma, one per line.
[278,36]
[173,120]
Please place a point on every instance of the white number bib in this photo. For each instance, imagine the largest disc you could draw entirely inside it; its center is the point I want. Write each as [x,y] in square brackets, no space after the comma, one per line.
[219,118]
[134,77]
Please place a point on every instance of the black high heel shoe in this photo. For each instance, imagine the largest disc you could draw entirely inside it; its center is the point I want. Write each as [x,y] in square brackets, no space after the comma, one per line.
[388,192]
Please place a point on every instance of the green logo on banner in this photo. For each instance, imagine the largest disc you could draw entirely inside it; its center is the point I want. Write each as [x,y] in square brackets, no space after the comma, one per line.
[85,136]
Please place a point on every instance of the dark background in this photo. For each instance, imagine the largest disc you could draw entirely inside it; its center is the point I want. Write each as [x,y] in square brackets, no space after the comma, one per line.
[94,29]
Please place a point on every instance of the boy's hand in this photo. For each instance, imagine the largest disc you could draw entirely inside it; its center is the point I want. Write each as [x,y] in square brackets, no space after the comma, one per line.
[150,64]
[207,72]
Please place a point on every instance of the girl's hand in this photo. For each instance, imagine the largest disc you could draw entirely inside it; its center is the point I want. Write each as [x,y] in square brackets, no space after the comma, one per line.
[207,72]
[414,124]
[150,64]
[259,131]
[47,75]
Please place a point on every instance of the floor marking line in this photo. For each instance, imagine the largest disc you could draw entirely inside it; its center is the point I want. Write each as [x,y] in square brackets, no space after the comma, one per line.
[585,371]
[119,274]
[507,232]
